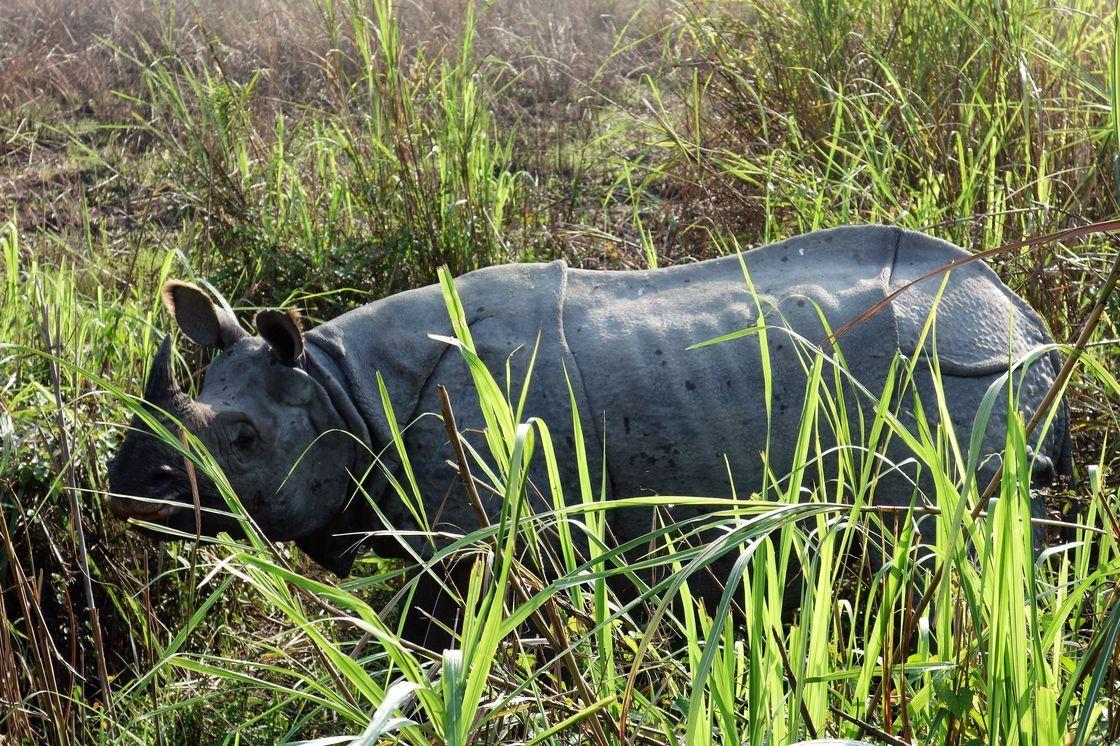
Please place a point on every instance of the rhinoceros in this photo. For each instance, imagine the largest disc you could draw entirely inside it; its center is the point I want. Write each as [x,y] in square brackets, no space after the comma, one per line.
[657,416]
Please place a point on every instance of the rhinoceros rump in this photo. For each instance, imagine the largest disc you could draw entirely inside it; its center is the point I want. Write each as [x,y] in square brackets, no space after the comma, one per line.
[669,420]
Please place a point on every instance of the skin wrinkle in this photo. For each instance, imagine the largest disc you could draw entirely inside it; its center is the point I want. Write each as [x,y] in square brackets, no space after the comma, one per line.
[1027,324]
[448,491]
[890,283]
[591,433]
[341,402]
[411,417]
[317,360]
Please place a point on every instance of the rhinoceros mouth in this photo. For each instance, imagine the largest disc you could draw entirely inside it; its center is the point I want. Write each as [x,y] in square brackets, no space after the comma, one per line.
[153,517]
[156,506]
[145,510]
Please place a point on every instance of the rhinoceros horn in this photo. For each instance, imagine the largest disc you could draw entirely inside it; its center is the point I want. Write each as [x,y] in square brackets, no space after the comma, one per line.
[161,389]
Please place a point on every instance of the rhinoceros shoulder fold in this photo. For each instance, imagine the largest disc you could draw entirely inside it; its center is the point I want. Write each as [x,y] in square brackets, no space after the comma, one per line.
[393,336]
[980,324]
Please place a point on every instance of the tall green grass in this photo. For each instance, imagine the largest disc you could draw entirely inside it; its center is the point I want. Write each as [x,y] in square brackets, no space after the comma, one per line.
[981,123]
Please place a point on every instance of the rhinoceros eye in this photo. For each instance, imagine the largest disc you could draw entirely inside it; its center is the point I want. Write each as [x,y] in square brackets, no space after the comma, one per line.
[245,437]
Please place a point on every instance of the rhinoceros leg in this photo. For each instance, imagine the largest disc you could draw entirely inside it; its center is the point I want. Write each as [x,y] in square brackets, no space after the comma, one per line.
[433,607]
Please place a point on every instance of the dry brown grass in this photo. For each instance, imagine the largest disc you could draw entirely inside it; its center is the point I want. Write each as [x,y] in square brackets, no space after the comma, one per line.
[67,85]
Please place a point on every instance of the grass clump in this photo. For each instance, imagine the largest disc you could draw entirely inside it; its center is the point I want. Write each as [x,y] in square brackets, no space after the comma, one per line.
[400,169]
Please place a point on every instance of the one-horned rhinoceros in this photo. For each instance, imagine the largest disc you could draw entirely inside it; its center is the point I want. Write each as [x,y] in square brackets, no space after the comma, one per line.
[668,419]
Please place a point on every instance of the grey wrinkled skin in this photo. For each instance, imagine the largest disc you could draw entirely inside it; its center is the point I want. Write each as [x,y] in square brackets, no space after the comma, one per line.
[673,421]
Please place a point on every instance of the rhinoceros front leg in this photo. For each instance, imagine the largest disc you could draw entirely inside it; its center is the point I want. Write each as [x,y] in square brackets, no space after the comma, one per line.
[435,610]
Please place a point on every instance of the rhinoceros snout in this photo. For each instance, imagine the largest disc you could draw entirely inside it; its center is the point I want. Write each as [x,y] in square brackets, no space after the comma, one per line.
[148,497]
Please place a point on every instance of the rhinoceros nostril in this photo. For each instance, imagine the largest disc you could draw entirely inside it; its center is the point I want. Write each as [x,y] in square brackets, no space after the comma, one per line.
[125,508]
[162,482]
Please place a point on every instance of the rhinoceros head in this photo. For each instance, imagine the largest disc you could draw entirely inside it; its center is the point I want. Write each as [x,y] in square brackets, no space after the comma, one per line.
[267,423]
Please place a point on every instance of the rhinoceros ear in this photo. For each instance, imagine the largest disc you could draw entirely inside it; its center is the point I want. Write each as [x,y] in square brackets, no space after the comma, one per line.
[198,317]
[281,329]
